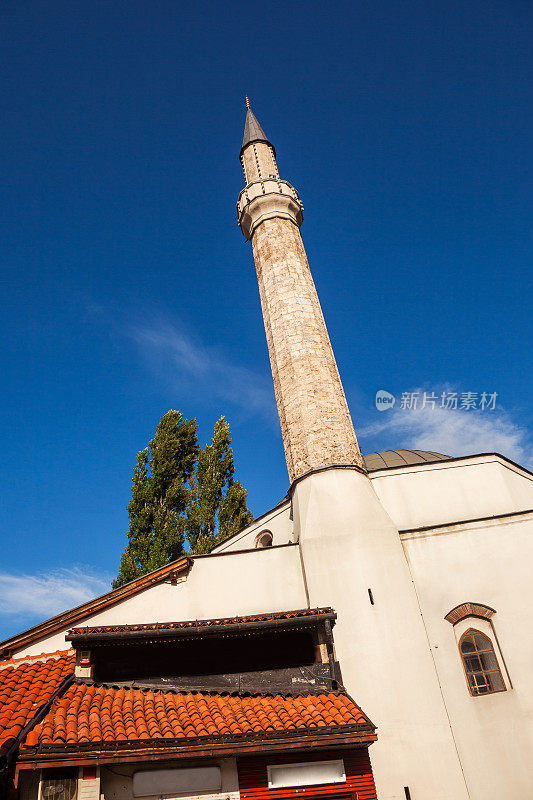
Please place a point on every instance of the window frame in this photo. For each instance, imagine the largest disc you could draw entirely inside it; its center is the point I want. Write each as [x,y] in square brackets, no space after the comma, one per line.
[271,768]
[471,632]
[265,532]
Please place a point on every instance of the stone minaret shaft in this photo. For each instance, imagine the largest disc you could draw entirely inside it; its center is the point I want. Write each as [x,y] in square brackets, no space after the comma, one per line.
[315,421]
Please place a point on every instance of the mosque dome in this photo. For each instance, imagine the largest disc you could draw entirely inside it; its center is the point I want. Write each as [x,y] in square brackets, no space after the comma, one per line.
[401,458]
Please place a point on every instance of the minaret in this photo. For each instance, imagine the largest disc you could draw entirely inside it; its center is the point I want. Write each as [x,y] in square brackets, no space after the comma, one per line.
[350,550]
[315,421]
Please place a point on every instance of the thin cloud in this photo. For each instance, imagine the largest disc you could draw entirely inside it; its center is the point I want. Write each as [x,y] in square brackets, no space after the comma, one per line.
[453,432]
[45,594]
[194,367]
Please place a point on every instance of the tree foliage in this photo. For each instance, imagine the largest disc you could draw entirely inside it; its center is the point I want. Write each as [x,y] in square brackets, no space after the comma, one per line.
[180,492]
[217,508]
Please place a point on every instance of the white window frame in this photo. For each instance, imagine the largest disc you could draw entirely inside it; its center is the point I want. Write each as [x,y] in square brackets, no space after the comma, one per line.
[330,761]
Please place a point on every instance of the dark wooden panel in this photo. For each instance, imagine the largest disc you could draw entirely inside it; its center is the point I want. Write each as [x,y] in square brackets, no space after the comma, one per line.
[293,680]
[273,650]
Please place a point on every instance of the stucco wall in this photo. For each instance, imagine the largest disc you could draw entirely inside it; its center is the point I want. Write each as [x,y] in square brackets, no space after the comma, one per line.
[450,491]
[488,563]
[349,545]
[277,521]
[217,586]
[421,495]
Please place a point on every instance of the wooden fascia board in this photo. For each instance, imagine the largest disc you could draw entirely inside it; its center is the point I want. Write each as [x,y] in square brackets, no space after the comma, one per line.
[251,746]
[86,640]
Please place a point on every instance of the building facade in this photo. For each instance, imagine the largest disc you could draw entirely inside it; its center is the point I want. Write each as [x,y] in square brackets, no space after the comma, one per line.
[419,560]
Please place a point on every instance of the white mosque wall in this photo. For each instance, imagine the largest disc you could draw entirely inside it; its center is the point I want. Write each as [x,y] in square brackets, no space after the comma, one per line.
[398,655]
[487,563]
[350,545]
[421,495]
[252,582]
[277,522]
[451,491]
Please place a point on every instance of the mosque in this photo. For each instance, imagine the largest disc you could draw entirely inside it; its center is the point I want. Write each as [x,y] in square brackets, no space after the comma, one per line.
[365,638]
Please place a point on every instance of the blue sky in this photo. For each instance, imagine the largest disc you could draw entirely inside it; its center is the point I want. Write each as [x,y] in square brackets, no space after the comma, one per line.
[128,288]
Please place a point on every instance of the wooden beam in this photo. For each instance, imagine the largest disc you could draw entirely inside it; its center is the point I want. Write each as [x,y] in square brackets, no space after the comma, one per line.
[125,755]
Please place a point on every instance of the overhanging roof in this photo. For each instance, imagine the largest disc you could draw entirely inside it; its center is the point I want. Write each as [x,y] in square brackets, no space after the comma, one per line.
[94,720]
[199,628]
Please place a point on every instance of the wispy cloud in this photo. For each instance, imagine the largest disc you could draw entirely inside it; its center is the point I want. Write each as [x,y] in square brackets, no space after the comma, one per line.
[453,432]
[44,594]
[192,366]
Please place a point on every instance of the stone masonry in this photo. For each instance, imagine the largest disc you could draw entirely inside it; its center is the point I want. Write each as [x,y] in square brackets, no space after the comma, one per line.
[315,421]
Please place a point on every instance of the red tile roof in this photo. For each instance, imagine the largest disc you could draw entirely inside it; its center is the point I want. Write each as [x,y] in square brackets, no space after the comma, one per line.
[25,685]
[90,714]
[272,616]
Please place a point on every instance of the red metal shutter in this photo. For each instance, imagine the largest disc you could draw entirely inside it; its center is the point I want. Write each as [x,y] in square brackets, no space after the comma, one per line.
[253,779]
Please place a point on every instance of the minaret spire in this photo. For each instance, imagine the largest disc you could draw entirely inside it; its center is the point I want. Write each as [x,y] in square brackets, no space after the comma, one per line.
[315,421]
[253,132]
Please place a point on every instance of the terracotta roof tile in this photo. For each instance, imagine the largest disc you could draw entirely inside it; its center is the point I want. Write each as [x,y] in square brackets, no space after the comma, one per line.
[273,616]
[88,714]
[25,685]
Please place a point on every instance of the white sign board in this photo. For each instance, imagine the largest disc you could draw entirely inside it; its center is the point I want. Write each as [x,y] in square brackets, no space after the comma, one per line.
[308,773]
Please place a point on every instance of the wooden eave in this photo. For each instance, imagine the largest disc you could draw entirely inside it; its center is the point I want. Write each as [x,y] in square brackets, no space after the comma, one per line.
[167,573]
[360,735]
[237,626]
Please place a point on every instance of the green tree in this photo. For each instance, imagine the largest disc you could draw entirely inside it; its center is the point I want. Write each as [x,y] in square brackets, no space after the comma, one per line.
[160,497]
[217,507]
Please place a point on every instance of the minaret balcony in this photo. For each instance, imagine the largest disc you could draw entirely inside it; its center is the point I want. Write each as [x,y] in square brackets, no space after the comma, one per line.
[267,199]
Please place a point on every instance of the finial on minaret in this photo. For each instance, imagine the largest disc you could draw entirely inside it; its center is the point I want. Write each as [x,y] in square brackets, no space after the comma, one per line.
[253,132]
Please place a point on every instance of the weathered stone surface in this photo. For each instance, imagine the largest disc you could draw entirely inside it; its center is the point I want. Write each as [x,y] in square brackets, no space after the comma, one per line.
[259,162]
[315,421]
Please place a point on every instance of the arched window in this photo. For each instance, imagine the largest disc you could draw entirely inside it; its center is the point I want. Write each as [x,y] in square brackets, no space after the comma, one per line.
[264,539]
[480,663]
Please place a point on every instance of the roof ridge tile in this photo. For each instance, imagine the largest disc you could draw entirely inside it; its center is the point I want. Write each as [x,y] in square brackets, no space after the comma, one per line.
[35,659]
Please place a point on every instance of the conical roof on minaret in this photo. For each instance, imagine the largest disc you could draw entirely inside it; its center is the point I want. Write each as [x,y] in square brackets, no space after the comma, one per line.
[253,132]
